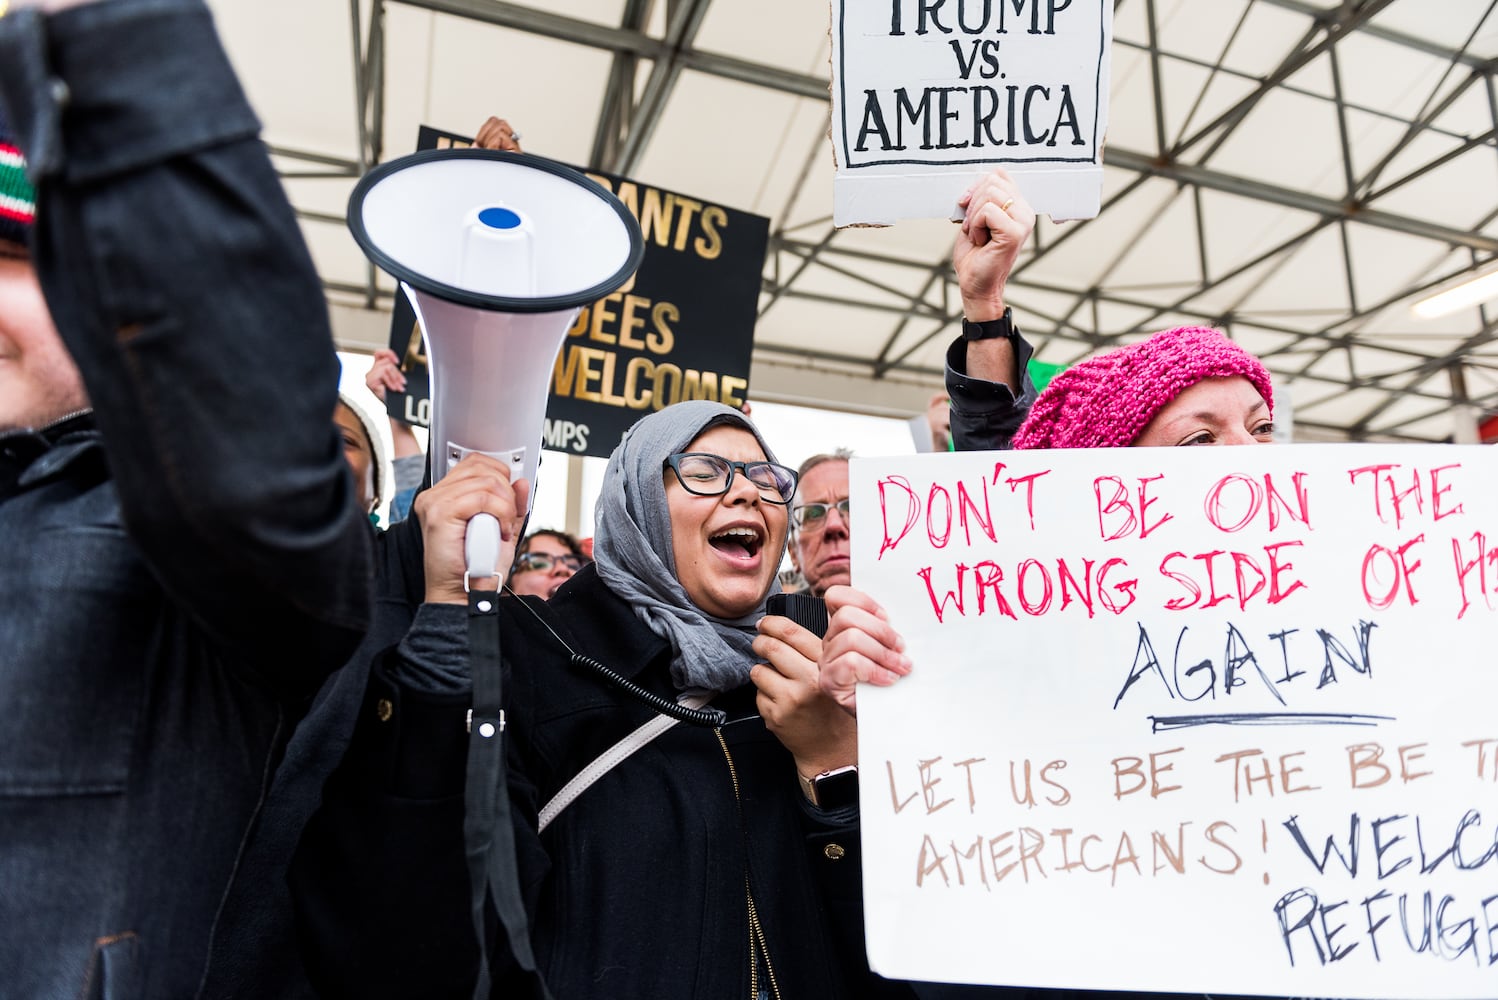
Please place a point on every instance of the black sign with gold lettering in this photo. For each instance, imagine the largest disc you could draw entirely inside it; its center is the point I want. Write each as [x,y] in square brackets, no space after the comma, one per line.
[683,328]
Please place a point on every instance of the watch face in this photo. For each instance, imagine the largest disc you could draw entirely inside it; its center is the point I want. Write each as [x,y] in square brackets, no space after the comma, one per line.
[837,789]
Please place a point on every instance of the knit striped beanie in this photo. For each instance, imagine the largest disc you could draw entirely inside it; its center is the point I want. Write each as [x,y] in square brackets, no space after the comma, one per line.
[1108,400]
[17,198]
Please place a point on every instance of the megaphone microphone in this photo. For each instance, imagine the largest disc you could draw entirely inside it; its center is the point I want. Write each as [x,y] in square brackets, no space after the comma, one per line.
[497,252]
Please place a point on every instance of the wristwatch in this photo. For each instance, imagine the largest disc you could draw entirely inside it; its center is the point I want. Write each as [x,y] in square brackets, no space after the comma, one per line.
[832,789]
[991,329]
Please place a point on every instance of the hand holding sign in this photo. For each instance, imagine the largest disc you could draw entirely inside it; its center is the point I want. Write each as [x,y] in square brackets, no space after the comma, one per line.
[996,223]
[385,374]
[496,133]
[861,646]
[809,724]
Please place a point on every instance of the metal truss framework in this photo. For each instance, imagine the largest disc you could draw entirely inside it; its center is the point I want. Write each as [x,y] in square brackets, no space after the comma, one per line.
[1437,378]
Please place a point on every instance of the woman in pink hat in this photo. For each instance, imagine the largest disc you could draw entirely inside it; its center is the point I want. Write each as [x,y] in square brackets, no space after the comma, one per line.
[1186,386]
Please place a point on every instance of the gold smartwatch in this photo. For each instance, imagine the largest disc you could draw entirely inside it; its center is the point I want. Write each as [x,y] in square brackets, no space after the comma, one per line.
[832,789]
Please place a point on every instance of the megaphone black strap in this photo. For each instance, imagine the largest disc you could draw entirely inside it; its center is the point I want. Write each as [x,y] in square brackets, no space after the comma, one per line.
[488,836]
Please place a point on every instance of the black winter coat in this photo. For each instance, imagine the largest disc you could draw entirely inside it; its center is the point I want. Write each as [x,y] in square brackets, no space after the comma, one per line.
[640,889]
[182,569]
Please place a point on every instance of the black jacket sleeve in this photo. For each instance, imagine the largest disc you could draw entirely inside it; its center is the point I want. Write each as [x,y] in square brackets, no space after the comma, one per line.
[381,870]
[176,275]
[985,415]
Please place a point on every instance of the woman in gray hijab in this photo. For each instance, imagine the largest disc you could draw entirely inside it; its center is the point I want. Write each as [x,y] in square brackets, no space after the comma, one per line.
[714,858]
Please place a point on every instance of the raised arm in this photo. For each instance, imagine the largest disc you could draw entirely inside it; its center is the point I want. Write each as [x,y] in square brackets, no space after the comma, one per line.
[178,279]
[987,378]
[404,776]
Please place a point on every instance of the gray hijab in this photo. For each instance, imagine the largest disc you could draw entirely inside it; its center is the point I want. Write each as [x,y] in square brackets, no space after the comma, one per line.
[632,548]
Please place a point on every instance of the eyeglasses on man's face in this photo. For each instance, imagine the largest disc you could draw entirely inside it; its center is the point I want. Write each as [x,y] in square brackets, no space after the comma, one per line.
[813,516]
[544,562]
[709,475]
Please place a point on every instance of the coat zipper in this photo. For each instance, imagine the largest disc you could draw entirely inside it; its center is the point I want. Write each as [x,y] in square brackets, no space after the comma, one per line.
[64,419]
[757,946]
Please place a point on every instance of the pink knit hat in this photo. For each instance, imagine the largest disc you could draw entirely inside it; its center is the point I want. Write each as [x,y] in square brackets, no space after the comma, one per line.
[1108,400]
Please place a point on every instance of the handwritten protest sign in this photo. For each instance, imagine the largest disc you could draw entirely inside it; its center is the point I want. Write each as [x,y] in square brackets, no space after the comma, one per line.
[929,95]
[1207,720]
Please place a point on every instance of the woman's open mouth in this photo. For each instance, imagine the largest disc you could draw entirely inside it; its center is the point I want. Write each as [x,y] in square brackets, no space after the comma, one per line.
[739,542]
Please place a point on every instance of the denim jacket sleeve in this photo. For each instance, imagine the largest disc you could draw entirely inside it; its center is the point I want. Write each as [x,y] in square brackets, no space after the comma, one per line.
[985,415]
[177,276]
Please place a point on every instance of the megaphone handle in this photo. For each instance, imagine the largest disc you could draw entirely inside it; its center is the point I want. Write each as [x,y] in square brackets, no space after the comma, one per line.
[481,546]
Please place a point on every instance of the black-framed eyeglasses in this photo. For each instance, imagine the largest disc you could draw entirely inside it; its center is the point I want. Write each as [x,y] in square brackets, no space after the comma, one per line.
[544,562]
[709,475]
[811,516]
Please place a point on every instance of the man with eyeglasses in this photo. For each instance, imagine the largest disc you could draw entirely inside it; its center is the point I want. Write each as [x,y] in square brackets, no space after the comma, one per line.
[819,522]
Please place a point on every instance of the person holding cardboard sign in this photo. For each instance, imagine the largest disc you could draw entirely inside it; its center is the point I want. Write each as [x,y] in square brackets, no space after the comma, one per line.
[1183,387]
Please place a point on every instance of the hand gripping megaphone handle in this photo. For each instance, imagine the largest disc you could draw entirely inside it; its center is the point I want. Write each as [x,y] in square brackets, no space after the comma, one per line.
[481,547]
[482,538]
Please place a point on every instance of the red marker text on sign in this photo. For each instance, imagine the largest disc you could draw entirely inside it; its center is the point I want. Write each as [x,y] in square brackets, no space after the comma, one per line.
[1479,570]
[1399,493]
[1235,500]
[1036,590]
[1385,569]
[1231,574]
[1117,517]
[962,506]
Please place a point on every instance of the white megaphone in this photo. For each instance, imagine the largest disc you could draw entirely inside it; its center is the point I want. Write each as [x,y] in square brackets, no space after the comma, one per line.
[497,252]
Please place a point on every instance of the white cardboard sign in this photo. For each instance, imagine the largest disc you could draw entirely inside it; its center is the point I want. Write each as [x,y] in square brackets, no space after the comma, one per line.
[1197,720]
[929,95]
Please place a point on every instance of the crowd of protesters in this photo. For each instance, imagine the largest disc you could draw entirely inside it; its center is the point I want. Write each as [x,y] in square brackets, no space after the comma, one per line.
[238,758]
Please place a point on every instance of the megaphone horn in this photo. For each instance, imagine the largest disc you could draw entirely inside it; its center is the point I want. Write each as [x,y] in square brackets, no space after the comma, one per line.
[497,252]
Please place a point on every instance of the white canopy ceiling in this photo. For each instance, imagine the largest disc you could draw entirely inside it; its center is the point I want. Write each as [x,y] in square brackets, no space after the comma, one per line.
[1295,171]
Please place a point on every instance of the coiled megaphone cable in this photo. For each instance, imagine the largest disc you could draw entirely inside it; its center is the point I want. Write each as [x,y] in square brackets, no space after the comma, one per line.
[707,717]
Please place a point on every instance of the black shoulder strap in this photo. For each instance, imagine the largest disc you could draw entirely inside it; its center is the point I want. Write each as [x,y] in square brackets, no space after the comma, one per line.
[488,834]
